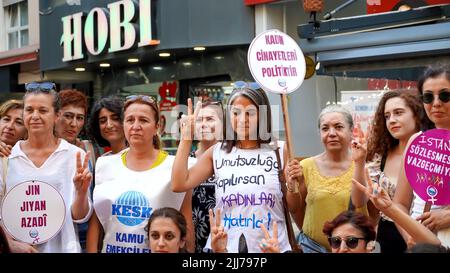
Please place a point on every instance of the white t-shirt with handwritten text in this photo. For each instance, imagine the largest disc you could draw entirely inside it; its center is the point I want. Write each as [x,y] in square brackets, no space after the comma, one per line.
[125,199]
[248,192]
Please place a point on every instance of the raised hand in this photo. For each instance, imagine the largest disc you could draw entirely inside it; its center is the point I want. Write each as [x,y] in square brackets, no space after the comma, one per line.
[187,122]
[359,150]
[83,176]
[379,197]
[5,149]
[219,238]
[270,244]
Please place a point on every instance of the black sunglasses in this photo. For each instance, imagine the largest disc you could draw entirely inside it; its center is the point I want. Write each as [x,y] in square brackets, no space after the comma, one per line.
[428,97]
[351,241]
[40,86]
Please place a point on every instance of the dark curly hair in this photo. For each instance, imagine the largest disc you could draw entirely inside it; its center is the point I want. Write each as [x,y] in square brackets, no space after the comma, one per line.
[356,219]
[113,104]
[380,140]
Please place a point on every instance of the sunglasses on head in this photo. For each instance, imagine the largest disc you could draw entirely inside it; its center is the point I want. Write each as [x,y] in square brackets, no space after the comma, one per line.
[428,97]
[250,85]
[142,97]
[40,86]
[351,241]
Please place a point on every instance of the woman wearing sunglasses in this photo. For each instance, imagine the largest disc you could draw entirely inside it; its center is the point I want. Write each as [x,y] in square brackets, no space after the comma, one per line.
[434,88]
[132,184]
[245,165]
[350,232]
[399,115]
[48,158]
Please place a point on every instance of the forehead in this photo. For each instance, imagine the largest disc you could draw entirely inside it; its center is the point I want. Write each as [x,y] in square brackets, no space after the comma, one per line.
[163,224]
[37,100]
[347,229]
[394,103]
[332,118]
[72,109]
[105,112]
[242,102]
[14,112]
[209,111]
[436,84]
[139,109]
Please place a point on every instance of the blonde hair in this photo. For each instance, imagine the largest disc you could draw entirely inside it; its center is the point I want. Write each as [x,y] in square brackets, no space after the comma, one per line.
[10,105]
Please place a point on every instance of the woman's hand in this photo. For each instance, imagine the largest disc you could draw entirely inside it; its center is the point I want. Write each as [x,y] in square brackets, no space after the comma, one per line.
[219,238]
[293,173]
[270,244]
[5,149]
[187,122]
[379,197]
[83,176]
[436,219]
[359,150]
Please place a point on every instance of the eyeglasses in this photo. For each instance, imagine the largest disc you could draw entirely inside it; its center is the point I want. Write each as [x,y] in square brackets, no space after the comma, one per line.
[351,241]
[428,97]
[250,85]
[142,97]
[40,86]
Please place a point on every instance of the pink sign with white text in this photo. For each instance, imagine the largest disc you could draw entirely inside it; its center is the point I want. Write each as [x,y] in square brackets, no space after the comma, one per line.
[427,166]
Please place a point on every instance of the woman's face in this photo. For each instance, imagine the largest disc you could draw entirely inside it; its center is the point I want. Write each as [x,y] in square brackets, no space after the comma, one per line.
[335,132]
[438,111]
[164,236]
[347,239]
[140,125]
[12,128]
[208,125]
[110,125]
[39,114]
[244,118]
[400,120]
[70,122]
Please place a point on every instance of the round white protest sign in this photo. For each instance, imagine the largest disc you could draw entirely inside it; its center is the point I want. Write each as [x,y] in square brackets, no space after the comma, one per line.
[276,62]
[33,212]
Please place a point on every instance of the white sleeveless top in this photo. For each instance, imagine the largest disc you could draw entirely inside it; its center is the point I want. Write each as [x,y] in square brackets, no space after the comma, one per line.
[248,192]
[125,199]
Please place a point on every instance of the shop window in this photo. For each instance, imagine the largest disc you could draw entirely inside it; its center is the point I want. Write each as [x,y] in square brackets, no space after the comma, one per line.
[16,17]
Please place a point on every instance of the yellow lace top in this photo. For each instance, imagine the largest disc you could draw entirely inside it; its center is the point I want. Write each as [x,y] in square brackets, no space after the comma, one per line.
[326,198]
[161,156]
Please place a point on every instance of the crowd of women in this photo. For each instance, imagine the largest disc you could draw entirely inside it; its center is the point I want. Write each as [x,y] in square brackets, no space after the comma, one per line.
[238,190]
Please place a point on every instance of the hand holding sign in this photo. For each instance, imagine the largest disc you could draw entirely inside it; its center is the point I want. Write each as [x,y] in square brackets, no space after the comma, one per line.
[83,176]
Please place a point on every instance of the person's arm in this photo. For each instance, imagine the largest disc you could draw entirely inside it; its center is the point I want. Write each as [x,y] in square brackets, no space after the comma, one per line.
[186,210]
[437,219]
[94,237]
[81,207]
[184,179]
[380,198]
[359,152]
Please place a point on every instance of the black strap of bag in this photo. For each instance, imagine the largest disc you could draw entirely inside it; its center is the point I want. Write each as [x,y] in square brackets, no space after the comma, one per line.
[291,236]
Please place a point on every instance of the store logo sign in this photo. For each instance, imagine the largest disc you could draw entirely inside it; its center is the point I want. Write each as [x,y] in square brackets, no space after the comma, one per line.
[117,24]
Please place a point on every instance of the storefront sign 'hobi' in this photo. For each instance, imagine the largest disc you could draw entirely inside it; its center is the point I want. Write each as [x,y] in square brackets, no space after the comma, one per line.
[102,25]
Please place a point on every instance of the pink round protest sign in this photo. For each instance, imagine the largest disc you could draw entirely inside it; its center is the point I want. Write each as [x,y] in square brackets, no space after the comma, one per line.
[276,62]
[33,212]
[427,166]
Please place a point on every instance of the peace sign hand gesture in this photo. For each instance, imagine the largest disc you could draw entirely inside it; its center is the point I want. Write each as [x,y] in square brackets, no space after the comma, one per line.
[270,244]
[83,176]
[187,122]
[219,238]
[359,150]
[379,197]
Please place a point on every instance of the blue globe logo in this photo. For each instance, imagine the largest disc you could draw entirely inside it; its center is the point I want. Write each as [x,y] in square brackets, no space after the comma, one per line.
[132,208]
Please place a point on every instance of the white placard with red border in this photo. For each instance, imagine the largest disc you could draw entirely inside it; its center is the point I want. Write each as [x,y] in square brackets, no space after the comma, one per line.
[276,62]
[33,212]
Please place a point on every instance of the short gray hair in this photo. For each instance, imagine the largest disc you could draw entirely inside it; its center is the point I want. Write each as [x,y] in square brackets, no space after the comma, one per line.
[336,108]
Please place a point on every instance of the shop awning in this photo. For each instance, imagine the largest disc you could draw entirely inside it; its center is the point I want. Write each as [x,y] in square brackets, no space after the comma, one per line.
[20,55]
